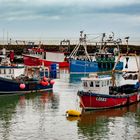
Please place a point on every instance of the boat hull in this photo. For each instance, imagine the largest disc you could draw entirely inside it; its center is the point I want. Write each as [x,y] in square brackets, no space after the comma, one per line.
[31,61]
[84,66]
[8,86]
[89,100]
[48,63]
[35,61]
[12,67]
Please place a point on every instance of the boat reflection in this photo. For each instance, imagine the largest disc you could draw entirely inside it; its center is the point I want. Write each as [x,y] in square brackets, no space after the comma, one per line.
[41,98]
[45,97]
[50,100]
[76,78]
[90,117]
[100,123]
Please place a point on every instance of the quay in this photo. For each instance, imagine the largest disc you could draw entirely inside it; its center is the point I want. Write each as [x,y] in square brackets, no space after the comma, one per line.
[19,49]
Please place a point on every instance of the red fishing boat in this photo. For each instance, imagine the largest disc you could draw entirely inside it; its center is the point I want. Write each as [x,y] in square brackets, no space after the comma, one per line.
[99,93]
[37,56]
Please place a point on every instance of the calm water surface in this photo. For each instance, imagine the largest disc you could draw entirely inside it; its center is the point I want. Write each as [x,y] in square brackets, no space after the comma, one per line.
[41,116]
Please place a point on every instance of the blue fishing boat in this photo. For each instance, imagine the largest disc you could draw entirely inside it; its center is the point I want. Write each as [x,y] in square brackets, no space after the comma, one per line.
[37,78]
[99,61]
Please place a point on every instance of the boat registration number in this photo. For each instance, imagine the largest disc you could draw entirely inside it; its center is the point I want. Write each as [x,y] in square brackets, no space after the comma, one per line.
[101,99]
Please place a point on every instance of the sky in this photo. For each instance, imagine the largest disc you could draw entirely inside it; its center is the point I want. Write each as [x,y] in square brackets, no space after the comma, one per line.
[57,19]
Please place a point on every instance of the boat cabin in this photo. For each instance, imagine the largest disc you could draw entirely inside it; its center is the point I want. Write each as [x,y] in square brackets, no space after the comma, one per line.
[30,72]
[36,72]
[6,73]
[97,84]
[49,56]
[11,72]
[105,57]
[5,61]
[130,75]
[37,52]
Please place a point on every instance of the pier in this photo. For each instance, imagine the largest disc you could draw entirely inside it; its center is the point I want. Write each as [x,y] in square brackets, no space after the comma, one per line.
[20,48]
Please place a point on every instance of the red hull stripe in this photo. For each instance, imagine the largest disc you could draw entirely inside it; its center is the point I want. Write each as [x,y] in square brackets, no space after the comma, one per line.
[33,61]
[101,101]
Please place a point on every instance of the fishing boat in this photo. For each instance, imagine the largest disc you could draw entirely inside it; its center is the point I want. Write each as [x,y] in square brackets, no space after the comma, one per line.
[7,60]
[99,61]
[6,63]
[37,78]
[101,92]
[35,56]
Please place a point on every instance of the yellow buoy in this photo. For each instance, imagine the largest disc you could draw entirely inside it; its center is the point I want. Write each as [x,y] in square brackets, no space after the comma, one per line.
[74,113]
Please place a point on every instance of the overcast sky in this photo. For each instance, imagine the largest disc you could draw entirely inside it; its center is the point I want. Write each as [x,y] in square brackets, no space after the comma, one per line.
[65,18]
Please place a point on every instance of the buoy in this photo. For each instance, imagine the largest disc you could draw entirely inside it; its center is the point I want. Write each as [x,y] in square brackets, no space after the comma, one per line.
[44,83]
[73,113]
[22,86]
[52,82]
[45,78]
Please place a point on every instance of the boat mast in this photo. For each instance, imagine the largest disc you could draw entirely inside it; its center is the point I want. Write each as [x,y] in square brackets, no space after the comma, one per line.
[126,38]
[138,66]
[85,46]
[82,42]
[139,70]
[102,41]
[120,55]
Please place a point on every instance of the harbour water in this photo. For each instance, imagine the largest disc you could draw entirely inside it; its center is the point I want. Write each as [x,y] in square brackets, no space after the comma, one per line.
[41,116]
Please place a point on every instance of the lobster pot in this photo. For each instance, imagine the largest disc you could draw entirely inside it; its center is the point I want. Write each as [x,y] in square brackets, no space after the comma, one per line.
[54,70]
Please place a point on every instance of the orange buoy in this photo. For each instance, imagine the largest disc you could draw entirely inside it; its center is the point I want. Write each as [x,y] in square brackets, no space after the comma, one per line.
[44,83]
[22,86]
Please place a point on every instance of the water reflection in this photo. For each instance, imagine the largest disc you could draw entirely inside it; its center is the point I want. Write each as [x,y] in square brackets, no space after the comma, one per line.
[76,78]
[42,116]
[40,101]
[19,112]
[109,124]
[7,109]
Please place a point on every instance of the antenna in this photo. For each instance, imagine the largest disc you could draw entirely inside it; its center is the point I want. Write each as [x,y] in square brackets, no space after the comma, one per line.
[126,39]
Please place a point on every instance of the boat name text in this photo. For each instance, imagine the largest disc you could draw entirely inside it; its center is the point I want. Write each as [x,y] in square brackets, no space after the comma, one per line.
[101,99]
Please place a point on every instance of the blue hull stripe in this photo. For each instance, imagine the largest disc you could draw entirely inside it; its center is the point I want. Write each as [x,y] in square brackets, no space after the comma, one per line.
[83,66]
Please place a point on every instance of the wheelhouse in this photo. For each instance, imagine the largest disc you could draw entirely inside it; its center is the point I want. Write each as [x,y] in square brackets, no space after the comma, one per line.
[97,84]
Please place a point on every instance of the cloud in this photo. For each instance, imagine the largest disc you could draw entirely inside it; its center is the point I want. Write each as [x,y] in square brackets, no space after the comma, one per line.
[58,9]
[65,17]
